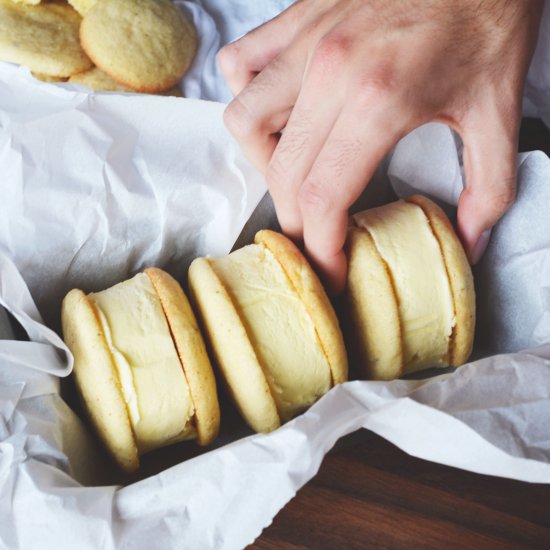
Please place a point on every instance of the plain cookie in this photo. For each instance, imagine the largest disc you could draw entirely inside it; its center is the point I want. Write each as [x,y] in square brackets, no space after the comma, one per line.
[97,80]
[43,37]
[146,45]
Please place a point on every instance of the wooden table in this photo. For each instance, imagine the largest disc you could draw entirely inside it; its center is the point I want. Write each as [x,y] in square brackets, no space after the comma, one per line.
[368,493]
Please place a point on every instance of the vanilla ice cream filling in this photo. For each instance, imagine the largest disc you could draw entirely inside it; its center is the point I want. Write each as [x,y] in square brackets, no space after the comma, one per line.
[278,325]
[152,380]
[403,236]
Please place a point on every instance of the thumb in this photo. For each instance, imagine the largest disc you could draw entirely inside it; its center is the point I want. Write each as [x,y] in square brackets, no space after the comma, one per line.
[490,151]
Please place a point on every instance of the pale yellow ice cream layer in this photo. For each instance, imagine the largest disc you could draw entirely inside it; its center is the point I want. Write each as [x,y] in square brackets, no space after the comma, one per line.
[279,327]
[404,239]
[152,379]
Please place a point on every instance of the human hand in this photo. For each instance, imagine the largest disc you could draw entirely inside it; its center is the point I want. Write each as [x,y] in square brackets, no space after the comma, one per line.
[327,88]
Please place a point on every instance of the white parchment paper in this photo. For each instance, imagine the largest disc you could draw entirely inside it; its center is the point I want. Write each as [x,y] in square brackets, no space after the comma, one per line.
[94,187]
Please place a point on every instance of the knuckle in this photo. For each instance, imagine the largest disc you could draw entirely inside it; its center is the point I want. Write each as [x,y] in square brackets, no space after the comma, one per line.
[313,198]
[331,52]
[227,59]
[239,120]
[231,116]
[376,87]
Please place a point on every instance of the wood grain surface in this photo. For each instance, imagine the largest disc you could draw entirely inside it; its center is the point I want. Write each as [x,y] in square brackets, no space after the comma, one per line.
[370,494]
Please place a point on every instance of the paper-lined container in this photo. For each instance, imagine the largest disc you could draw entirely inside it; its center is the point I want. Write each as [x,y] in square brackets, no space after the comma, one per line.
[98,186]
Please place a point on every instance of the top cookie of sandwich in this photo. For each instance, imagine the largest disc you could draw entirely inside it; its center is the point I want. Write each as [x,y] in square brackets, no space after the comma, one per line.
[146,45]
[43,37]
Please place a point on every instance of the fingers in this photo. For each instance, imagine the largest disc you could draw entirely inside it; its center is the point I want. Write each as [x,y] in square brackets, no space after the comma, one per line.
[305,134]
[319,104]
[490,148]
[242,60]
[328,150]
[264,101]
[259,112]
[340,173]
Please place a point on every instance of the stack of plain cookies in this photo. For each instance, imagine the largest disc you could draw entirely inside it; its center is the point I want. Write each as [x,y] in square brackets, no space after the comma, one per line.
[120,45]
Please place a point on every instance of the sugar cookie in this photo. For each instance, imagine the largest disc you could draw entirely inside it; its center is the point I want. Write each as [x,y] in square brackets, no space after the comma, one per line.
[146,45]
[44,38]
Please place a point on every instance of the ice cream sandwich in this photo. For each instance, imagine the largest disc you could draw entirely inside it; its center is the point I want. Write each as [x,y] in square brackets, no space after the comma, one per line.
[410,291]
[271,327]
[140,366]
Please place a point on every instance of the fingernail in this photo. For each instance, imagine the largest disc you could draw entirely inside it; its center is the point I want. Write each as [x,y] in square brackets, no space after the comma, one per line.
[480,247]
